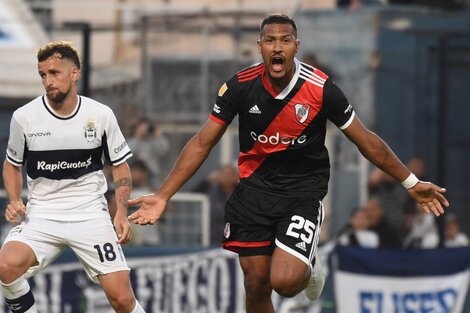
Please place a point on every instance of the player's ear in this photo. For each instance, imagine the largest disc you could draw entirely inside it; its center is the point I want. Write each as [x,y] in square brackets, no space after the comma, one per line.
[297,45]
[75,73]
[259,45]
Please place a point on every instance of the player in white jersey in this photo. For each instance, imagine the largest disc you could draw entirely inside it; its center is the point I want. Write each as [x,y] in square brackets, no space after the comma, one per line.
[62,140]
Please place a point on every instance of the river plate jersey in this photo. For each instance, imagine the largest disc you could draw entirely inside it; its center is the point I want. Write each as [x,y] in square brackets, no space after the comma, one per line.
[64,157]
[282,136]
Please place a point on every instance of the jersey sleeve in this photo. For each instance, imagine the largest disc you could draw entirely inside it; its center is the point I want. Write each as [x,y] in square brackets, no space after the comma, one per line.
[16,143]
[224,109]
[339,111]
[115,147]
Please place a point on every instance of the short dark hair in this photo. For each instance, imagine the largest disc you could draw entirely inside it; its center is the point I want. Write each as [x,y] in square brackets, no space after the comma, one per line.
[278,18]
[64,48]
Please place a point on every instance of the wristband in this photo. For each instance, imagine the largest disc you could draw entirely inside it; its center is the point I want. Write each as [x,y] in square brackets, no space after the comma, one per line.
[410,181]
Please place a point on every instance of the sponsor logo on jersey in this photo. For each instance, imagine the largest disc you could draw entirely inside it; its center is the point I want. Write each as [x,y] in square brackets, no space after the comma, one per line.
[90,131]
[301,112]
[254,110]
[10,149]
[278,139]
[227,230]
[16,230]
[216,108]
[14,306]
[223,89]
[302,246]
[39,134]
[62,165]
[348,109]
[120,147]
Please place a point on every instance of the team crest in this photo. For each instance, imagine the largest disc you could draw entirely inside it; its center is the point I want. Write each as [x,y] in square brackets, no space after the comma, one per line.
[90,131]
[227,230]
[301,112]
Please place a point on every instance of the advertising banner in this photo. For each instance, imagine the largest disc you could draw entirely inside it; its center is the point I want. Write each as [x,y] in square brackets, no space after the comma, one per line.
[421,281]
[164,281]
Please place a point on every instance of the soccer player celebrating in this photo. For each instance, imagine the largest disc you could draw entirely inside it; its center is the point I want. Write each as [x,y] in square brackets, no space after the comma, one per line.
[274,216]
[62,138]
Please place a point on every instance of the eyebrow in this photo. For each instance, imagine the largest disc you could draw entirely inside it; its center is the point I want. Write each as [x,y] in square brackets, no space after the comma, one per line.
[282,36]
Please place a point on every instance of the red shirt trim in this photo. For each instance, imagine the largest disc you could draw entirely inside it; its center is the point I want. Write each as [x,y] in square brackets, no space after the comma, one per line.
[217,120]
[241,244]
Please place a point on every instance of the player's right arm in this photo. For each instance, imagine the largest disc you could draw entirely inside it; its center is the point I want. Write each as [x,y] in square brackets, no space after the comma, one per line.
[190,159]
[12,166]
[13,182]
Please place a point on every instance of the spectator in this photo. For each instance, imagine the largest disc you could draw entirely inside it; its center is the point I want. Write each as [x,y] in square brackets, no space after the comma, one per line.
[394,202]
[373,208]
[149,145]
[147,236]
[312,59]
[452,234]
[140,176]
[398,209]
[422,231]
[453,237]
[353,5]
[205,184]
[224,183]
[358,231]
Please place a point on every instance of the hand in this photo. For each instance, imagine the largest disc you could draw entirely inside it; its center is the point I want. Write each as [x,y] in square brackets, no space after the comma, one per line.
[429,197]
[151,209]
[15,212]
[123,229]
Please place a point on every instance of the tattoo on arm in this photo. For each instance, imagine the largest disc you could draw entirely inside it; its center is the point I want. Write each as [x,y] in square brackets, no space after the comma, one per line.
[123,182]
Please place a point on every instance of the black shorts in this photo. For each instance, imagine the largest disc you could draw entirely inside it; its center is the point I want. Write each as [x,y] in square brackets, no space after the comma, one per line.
[256,222]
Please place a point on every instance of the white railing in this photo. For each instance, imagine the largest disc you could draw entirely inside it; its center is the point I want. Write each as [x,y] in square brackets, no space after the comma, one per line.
[184,224]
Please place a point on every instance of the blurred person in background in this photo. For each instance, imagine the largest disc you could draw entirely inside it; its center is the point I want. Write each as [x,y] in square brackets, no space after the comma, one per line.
[398,208]
[359,231]
[147,236]
[422,232]
[311,59]
[375,212]
[273,218]
[224,183]
[149,144]
[453,237]
[62,139]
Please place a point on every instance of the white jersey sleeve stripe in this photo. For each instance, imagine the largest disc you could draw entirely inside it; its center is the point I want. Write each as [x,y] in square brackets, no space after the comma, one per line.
[121,159]
[13,161]
[346,125]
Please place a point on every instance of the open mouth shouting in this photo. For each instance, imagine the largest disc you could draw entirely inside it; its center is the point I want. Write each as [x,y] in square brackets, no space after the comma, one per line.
[277,63]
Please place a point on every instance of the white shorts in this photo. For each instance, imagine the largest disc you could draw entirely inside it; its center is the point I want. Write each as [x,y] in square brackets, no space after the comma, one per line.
[92,241]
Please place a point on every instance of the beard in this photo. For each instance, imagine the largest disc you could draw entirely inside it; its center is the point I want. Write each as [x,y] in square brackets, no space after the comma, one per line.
[58,96]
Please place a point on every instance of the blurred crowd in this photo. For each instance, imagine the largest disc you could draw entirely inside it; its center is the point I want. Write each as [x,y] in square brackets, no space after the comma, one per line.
[391,219]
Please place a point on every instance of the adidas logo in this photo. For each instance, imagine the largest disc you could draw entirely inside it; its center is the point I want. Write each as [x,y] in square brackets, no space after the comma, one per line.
[301,245]
[255,110]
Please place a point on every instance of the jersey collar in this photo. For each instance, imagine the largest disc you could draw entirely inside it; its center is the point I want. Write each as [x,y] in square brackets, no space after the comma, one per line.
[288,88]
[51,111]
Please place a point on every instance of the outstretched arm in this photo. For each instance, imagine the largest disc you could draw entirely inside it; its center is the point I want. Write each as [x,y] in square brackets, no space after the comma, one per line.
[190,159]
[372,147]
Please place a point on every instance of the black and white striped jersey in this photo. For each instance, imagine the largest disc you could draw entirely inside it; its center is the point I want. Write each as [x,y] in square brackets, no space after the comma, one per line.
[64,157]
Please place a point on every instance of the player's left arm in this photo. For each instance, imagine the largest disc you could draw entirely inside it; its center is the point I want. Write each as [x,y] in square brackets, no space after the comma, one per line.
[123,187]
[428,195]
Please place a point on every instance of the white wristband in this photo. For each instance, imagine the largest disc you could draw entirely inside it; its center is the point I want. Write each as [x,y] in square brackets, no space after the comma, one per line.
[410,181]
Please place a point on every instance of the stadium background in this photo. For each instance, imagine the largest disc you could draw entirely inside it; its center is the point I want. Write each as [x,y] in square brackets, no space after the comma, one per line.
[405,66]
